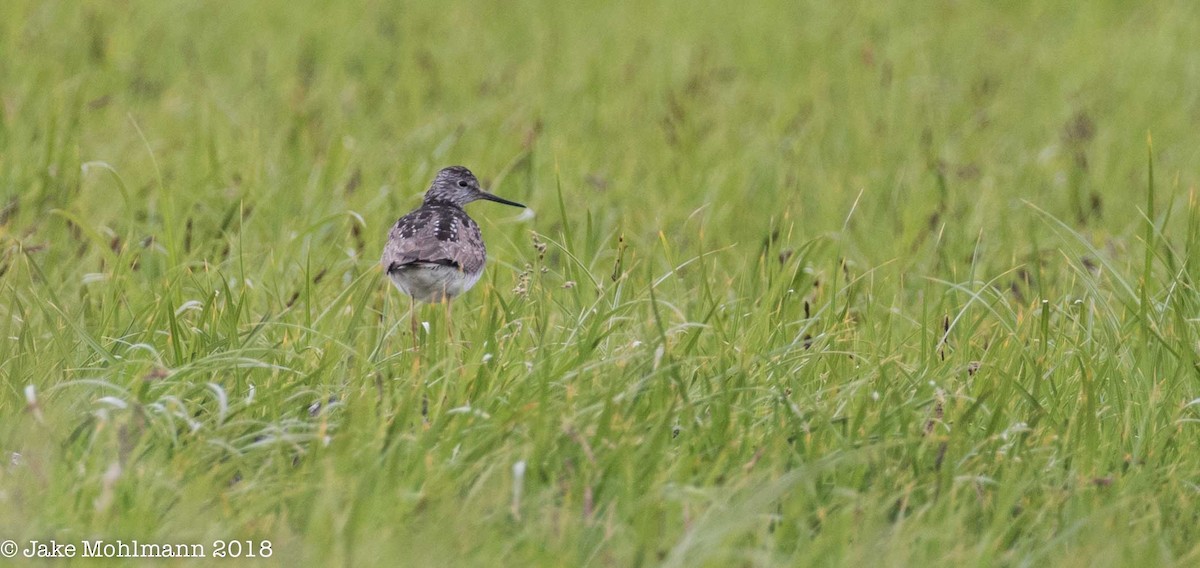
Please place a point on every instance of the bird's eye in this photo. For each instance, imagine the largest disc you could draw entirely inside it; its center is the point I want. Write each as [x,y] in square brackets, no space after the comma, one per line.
[462,183]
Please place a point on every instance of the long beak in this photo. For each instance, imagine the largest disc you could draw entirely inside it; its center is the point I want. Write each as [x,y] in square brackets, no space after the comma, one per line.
[490,197]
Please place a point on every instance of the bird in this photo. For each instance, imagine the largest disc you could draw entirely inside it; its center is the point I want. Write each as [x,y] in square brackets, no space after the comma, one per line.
[436,252]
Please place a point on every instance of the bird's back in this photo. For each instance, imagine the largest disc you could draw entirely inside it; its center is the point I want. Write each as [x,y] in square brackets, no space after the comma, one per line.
[434,240]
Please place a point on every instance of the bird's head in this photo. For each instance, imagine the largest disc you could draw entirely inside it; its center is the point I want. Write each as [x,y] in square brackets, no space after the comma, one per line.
[457,186]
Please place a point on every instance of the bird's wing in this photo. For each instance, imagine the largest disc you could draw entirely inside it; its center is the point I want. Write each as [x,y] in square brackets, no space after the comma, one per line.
[416,240]
[401,253]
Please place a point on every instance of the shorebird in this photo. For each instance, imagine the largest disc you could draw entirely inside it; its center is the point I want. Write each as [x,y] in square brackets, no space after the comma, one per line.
[436,252]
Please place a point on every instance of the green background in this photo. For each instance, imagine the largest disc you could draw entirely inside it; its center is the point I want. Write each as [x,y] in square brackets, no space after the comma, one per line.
[841,283]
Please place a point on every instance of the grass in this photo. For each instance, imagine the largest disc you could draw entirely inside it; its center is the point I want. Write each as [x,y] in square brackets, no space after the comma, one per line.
[846,283]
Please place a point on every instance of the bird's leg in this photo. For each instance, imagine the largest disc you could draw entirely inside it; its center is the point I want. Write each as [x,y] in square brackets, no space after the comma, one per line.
[412,314]
[449,328]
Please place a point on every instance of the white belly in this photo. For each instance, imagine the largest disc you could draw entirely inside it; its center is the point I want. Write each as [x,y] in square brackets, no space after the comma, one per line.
[433,283]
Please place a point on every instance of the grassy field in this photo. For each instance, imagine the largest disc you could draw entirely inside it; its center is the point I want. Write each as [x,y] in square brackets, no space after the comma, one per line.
[807,283]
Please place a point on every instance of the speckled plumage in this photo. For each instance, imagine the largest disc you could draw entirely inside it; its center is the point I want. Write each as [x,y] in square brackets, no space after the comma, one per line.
[436,252]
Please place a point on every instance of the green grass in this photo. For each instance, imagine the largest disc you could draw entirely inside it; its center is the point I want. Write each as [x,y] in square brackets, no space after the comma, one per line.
[807,283]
